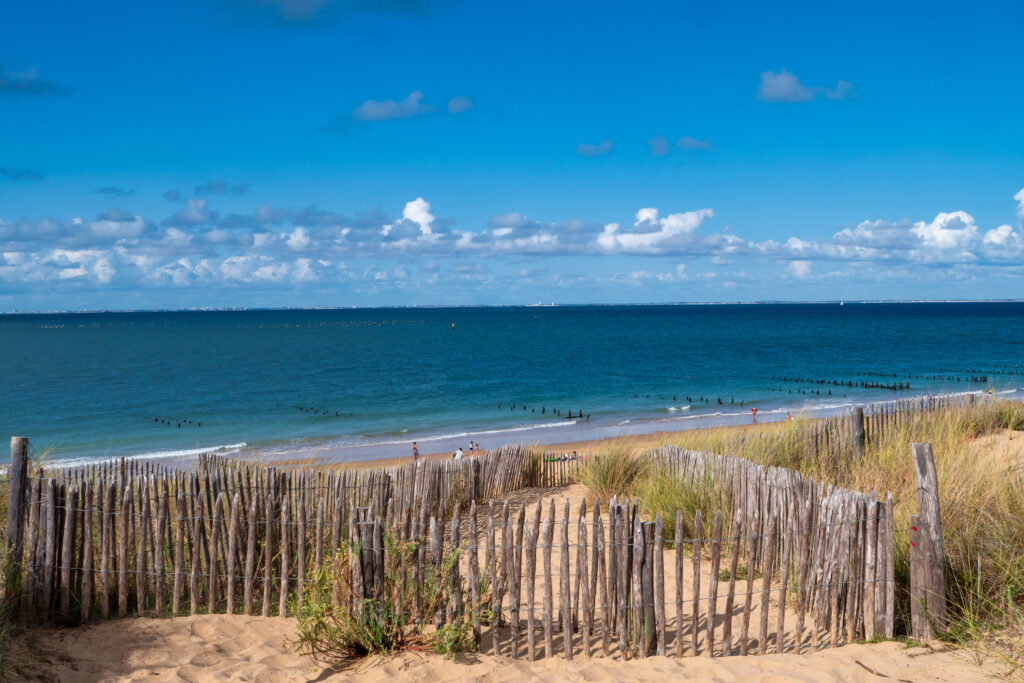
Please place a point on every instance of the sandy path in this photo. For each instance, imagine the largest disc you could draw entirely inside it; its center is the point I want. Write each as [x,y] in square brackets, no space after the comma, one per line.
[234,648]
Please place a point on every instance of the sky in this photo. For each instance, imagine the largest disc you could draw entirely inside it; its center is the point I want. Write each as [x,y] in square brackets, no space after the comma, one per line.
[221,153]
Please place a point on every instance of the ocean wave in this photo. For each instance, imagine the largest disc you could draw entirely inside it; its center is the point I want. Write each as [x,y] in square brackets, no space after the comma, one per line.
[673,409]
[225,449]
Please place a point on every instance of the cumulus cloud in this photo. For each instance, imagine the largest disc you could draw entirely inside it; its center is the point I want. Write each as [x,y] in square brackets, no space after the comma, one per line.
[21,174]
[799,268]
[28,84]
[786,87]
[1019,197]
[600,149]
[652,234]
[457,105]
[415,230]
[390,110]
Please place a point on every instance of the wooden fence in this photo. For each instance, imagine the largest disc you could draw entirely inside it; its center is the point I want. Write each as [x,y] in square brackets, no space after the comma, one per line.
[127,537]
[120,539]
[841,436]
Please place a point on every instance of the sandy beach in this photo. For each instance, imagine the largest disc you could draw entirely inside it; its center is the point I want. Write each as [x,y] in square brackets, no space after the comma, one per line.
[583,449]
[209,648]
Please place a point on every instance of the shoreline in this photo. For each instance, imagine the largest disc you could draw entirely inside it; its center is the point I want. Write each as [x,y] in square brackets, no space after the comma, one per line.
[575,435]
[583,448]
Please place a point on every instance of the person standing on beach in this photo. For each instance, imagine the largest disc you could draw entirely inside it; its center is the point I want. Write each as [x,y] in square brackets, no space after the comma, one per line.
[415,452]
[753,413]
[457,455]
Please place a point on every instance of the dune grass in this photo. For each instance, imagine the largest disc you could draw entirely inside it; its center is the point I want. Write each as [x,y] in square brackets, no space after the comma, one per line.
[980,462]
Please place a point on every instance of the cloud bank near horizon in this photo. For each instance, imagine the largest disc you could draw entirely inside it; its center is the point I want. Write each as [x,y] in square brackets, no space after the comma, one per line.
[289,248]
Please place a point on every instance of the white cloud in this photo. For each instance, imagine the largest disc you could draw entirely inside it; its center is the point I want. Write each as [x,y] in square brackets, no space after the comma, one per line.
[782,87]
[1020,205]
[786,87]
[414,231]
[457,105]
[298,239]
[652,234]
[389,110]
[949,234]
[799,268]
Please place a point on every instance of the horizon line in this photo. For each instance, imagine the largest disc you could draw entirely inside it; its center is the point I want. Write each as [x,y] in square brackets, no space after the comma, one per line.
[768,302]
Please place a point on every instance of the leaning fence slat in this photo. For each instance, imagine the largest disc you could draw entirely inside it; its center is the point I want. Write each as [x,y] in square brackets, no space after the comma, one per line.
[547,531]
[564,598]
[780,630]
[659,582]
[531,575]
[87,555]
[737,525]
[716,555]
[766,584]
[236,503]
[680,560]
[695,616]
[179,551]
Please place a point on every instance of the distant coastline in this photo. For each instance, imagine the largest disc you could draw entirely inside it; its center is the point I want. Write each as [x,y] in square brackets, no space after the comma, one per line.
[766,302]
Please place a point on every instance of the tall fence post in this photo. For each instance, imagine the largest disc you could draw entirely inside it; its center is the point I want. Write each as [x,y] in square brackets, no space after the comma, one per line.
[927,555]
[16,511]
[858,430]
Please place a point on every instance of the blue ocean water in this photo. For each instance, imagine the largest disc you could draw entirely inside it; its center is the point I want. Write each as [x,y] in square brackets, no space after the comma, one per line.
[359,383]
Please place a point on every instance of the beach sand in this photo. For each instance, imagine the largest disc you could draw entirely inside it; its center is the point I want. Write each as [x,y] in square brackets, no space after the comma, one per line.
[236,648]
[582,448]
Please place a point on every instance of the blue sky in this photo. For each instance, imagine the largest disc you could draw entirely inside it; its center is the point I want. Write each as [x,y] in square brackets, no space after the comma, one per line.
[329,152]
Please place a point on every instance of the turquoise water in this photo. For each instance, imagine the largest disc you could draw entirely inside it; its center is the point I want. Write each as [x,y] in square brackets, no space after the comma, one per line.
[351,384]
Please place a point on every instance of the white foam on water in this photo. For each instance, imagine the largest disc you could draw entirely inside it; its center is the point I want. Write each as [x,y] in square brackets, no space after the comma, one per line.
[226,449]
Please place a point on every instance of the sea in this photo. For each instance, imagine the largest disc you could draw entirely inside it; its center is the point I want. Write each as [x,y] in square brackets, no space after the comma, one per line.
[353,384]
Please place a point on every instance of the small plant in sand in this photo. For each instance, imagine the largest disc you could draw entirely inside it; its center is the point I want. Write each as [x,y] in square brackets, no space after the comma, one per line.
[393,618]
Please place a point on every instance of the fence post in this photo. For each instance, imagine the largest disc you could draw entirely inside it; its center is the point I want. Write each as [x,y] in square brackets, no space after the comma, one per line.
[928,557]
[858,430]
[16,511]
